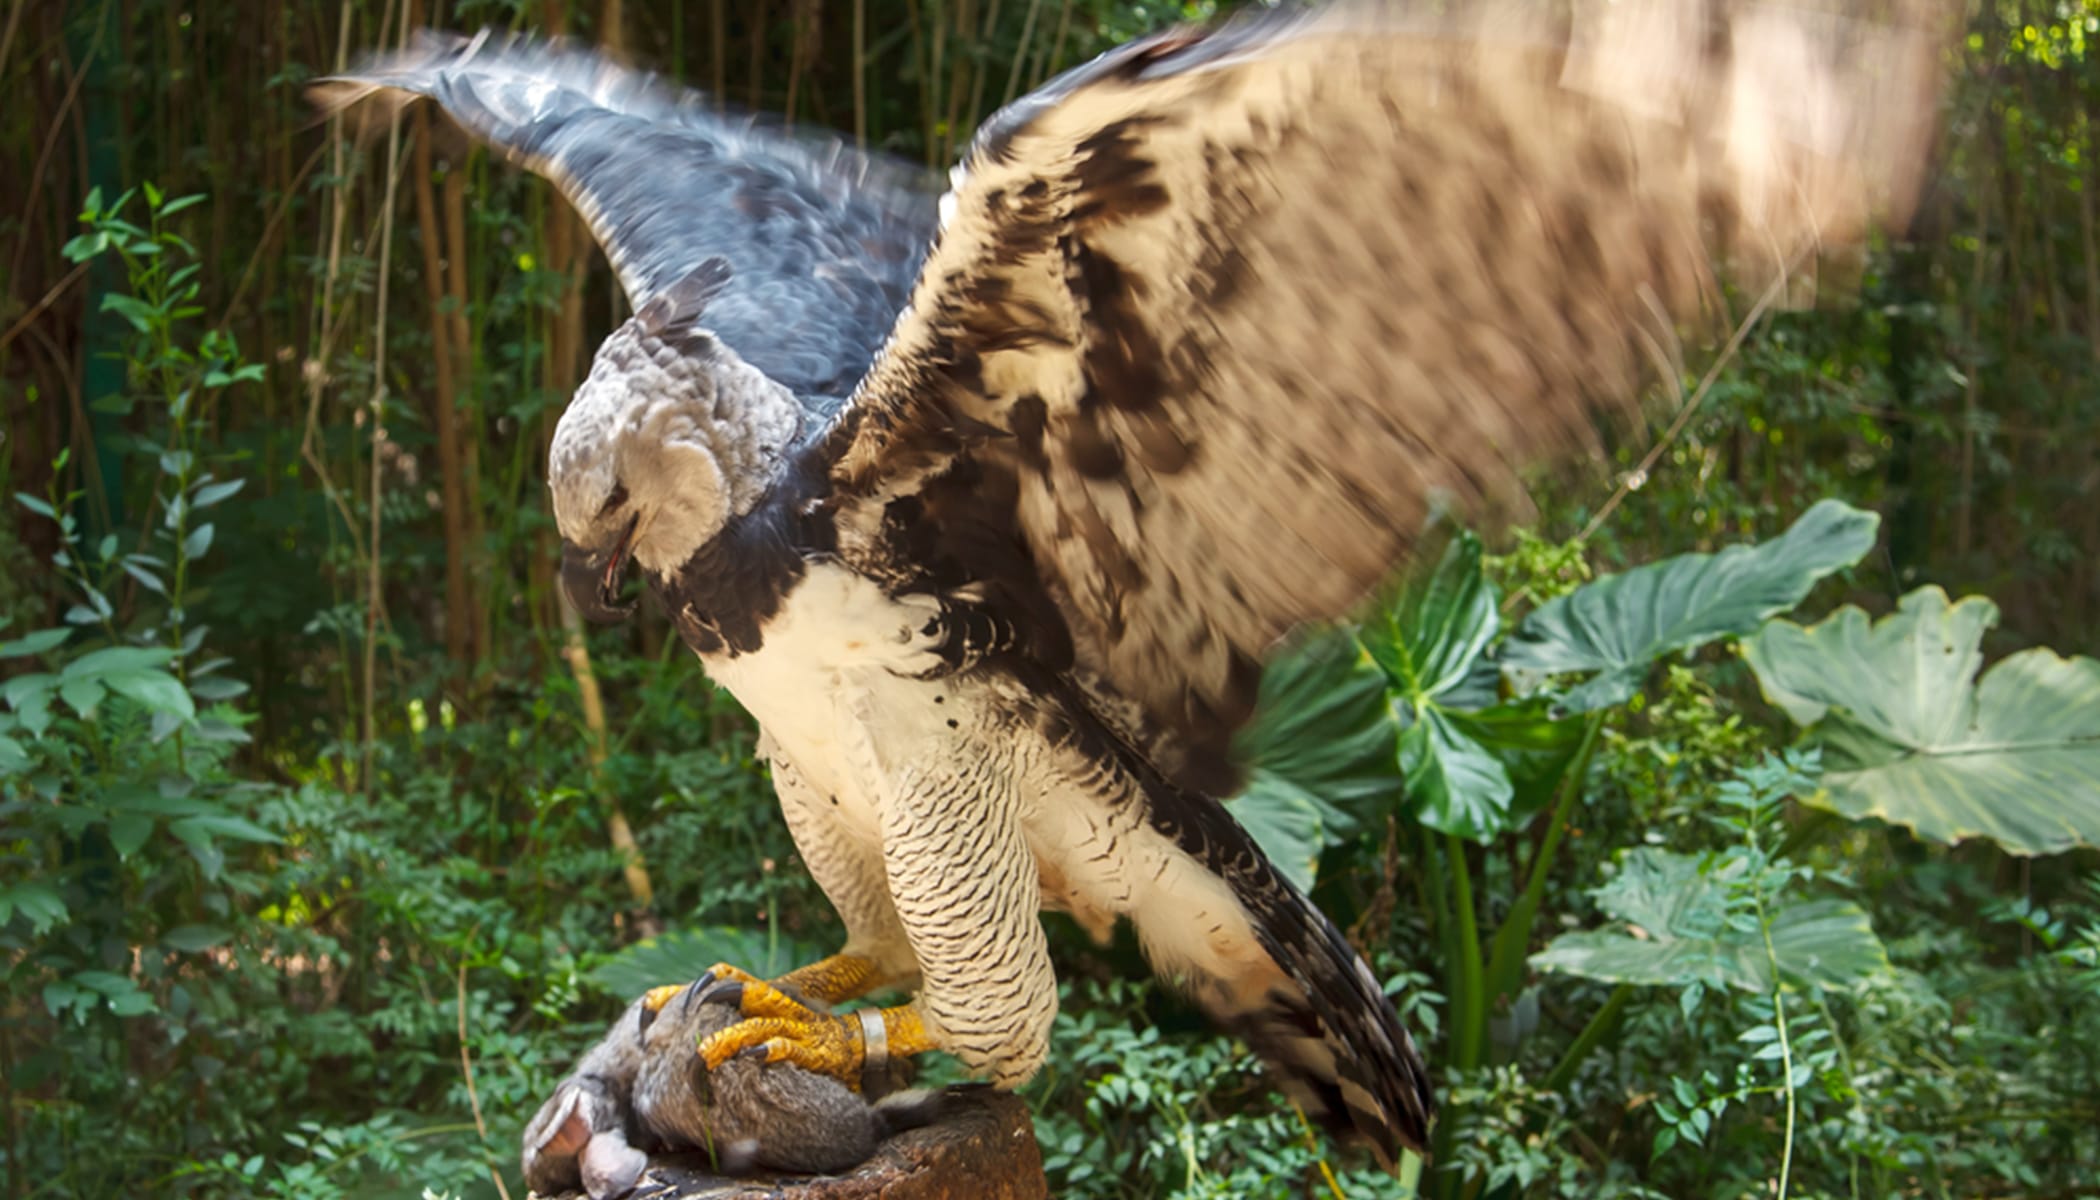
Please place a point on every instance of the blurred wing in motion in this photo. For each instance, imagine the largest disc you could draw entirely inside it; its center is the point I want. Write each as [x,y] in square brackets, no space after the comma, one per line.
[822,242]
[1215,321]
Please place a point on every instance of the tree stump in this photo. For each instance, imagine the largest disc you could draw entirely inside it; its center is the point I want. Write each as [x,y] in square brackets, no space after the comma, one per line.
[982,1148]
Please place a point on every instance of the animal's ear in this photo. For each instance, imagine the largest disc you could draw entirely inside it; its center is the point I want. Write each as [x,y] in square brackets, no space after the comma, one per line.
[571,1128]
[611,1167]
[687,299]
[555,1139]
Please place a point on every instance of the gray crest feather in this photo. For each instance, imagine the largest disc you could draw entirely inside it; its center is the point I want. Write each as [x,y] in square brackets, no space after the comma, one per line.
[686,300]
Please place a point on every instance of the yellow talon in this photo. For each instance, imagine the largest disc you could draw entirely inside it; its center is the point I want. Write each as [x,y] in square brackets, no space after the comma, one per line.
[655,998]
[789,1031]
[780,1024]
[723,972]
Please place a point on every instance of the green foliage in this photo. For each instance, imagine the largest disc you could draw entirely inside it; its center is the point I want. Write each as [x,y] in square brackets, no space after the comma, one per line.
[1741,939]
[1130,1110]
[1472,766]
[1915,738]
[1320,743]
[1680,931]
[1621,624]
[684,953]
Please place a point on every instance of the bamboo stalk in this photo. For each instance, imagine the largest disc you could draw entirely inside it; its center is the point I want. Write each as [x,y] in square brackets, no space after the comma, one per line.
[718,38]
[375,583]
[7,36]
[463,349]
[1057,44]
[958,79]
[930,101]
[466,1072]
[1021,48]
[1965,496]
[567,253]
[633,867]
[444,415]
[759,11]
[2084,574]
[860,74]
[800,34]
[321,340]
[978,74]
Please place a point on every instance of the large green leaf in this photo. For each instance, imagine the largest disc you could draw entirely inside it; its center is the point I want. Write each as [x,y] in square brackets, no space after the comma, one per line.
[1319,751]
[1429,640]
[1674,930]
[1909,735]
[1454,784]
[1618,625]
[1288,822]
[1322,722]
[680,956]
[1536,749]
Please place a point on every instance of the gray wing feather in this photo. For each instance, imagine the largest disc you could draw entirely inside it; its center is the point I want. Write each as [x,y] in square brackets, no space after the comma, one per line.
[1218,319]
[822,242]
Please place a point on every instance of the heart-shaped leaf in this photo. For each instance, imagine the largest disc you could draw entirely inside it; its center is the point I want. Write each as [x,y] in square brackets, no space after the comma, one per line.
[1618,625]
[1672,931]
[1910,736]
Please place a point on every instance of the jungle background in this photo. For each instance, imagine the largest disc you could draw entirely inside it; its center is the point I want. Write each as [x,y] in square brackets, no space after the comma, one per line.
[328,839]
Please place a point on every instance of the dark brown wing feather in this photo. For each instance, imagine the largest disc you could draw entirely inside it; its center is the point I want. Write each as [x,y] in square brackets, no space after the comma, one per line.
[1214,321]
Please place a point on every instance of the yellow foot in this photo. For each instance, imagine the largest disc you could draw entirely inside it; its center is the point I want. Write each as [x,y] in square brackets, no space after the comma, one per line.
[784,1029]
[828,980]
[781,1026]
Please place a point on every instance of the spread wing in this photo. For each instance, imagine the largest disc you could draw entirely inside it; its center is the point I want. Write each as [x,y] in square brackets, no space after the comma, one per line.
[1213,322]
[822,242]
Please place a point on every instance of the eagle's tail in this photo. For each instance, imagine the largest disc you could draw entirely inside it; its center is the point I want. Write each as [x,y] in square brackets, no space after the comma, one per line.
[1299,995]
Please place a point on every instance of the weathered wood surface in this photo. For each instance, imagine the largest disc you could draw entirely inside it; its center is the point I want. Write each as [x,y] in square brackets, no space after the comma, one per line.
[982,1148]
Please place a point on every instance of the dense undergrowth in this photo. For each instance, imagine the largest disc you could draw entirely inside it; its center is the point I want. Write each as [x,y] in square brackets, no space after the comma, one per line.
[320,860]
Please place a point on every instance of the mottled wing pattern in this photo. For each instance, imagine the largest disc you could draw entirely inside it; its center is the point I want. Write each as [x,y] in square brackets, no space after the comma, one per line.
[823,242]
[1214,321]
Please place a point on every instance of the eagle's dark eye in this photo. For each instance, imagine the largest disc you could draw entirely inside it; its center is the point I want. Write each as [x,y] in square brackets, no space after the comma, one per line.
[614,500]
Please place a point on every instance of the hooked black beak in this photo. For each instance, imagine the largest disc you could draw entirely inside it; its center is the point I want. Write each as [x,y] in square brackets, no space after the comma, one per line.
[593,580]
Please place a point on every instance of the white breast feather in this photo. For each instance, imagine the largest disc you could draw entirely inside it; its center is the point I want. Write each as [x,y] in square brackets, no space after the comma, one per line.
[835,688]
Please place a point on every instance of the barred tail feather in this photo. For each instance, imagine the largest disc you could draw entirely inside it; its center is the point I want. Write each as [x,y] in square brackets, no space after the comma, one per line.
[1327,1030]
[1215,916]
[1290,985]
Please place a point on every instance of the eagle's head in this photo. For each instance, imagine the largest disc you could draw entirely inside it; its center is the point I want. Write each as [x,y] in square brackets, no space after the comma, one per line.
[670,438]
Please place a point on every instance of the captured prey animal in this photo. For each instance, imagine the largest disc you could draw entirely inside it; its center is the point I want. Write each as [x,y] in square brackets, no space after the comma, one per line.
[644,1086]
[990,508]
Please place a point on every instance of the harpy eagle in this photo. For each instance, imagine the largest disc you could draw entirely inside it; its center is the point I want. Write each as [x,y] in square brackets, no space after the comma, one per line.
[989,508]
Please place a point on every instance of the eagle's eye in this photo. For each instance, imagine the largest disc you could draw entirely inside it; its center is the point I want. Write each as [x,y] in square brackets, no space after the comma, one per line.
[614,499]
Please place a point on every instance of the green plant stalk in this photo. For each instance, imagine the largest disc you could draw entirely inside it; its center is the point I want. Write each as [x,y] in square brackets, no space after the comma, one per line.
[1845,1056]
[1786,1046]
[179,410]
[1593,1034]
[1468,1001]
[1506,956]
[1454,942]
